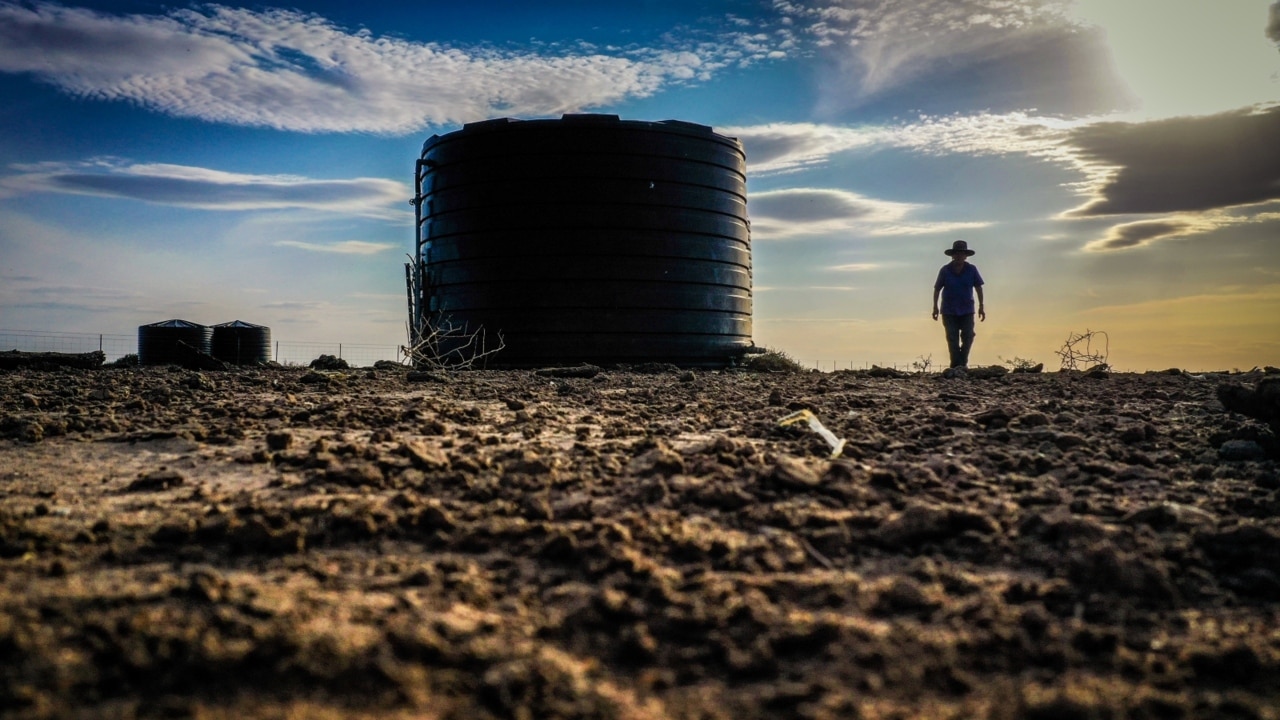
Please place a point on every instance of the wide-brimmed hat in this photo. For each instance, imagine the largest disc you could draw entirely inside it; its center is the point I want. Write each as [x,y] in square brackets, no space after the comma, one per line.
[959,247]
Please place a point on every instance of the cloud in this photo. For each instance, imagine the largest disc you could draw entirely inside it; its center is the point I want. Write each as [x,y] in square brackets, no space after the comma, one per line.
[797,212]
[1194,167]
[780,214]
[209,189]
[1142,232]
[294,71]
[1273,22]
[856,267]
[1182,164]
[971,54]
[348,247]
[788,147]
[296,305]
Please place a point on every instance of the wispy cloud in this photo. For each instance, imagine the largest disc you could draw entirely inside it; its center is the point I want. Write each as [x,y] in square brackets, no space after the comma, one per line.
[209,189]
[786,147]
[1145,232]
[1011,54]
[348,247]
[1142,233]
[798,212]
[295,71]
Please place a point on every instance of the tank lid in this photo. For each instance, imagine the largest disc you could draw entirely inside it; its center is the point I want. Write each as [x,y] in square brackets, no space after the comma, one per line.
[576,120]
[239,324]
[175,324]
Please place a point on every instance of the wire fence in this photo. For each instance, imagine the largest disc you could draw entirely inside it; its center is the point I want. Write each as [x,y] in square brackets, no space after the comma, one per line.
[302,353]
[117,346]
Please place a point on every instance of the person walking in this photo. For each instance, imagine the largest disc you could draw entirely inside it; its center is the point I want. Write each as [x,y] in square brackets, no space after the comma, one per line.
[957,283]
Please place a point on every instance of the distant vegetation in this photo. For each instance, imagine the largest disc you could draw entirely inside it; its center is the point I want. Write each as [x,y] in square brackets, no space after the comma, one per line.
[773,361]
[124,361]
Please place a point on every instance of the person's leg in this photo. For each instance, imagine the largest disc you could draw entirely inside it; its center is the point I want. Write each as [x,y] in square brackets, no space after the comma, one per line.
[965,328]
[951,325]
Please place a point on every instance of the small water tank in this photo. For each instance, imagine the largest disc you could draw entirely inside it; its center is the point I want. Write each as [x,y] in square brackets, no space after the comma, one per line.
[241,343]
[588,239]
[171,342]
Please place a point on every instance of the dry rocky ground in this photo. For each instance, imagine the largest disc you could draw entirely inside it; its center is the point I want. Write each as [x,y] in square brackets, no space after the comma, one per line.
[369,543]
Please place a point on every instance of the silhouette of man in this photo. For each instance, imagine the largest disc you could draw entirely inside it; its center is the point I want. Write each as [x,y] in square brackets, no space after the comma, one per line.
[957,282]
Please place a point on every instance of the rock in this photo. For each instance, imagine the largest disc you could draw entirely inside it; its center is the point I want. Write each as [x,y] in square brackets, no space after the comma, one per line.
[200,381]
[581,371]
[279,440]
[1032,419]
[794,472]
[923,523]
[1134,433]
[1038,367]
[1066,441]
[387,365]
[1170,514]
[883,372]
[1241,450]
[994,418]
[314,378]
[423,456]
[416,376]
[659,460]
[157,480]
[988,372]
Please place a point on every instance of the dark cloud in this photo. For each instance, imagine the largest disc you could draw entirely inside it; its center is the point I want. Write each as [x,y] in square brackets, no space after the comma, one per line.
[202,193]
[1186,164]
[207,189]
[816,205]
[1273,22]
[1135,234]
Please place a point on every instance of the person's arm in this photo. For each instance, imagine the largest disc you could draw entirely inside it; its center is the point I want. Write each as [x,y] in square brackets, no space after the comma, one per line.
[936,292]
[982,311]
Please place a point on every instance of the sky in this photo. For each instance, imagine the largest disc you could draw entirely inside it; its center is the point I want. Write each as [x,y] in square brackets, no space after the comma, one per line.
[1114,163]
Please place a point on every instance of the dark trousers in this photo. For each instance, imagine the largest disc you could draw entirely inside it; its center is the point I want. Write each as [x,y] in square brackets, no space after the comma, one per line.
[959,337]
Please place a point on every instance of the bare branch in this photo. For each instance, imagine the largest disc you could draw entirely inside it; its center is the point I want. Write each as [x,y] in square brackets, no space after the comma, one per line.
[1077,352]
[444,345]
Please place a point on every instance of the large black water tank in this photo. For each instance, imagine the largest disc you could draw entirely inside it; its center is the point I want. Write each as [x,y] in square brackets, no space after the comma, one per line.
[589,238]
[241,343]
[171,342]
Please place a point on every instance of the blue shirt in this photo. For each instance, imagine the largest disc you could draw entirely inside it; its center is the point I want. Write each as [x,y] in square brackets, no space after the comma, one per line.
[957,289]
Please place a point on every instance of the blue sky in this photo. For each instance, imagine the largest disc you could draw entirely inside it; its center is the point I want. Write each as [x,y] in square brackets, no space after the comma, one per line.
[1115,164]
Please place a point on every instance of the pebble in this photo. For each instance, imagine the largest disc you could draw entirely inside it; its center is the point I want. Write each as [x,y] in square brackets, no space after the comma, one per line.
[1239,450]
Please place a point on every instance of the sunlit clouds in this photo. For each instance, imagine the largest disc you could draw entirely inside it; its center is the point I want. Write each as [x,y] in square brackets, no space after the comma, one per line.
[294,71]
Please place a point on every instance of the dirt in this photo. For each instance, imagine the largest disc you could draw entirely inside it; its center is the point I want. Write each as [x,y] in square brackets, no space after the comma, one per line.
[623,544]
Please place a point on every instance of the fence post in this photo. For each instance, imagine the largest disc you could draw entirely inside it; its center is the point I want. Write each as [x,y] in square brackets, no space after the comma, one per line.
[277,351]
[339,351]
